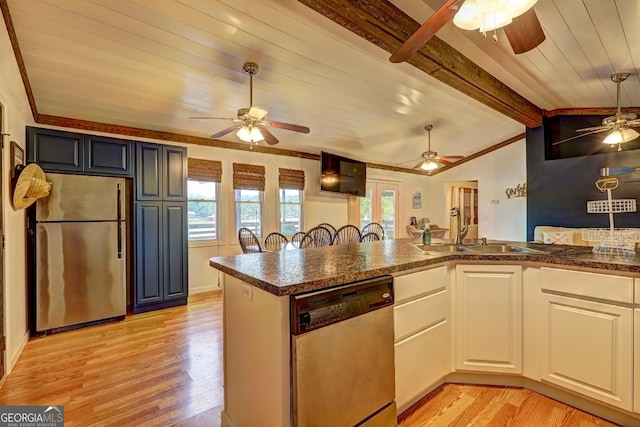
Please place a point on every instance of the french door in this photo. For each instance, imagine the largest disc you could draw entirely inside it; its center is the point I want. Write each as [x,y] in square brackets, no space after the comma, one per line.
[381,206]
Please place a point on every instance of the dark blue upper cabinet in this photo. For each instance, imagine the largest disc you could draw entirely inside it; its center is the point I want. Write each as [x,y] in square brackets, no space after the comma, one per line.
[54,150]
[107,156]
[161,172]
[175,173]
[61,151]
[148,168]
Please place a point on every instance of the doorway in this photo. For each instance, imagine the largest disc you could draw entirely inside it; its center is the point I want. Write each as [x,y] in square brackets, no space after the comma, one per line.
[381,205]
[464,196]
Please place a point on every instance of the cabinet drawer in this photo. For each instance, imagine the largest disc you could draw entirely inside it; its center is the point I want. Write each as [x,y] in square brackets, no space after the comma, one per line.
[581,283]
[420,313]
[422,360]
[414,284]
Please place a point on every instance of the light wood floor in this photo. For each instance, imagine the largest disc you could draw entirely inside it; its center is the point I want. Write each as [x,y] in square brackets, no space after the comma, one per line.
[472,405]
[154,369]
[165,368]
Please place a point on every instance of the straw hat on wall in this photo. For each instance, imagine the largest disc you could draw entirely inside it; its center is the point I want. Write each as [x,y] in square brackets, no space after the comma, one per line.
[31,185]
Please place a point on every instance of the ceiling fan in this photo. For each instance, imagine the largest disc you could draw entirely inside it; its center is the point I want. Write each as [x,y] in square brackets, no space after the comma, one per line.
[430,160]
[620,126]
[250,122]
[517,17]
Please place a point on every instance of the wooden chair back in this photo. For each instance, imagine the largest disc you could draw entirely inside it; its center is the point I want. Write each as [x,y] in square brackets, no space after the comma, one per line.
[373,227]
[248,241]
[275,241]
[370,237]
[347,234]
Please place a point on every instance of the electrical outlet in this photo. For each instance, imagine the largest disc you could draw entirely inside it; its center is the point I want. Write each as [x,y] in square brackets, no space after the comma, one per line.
[246,291]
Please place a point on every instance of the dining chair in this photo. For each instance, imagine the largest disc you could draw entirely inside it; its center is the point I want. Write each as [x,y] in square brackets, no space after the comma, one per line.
[248,241]
[370,237]
[329,227]
[373,227]
[306,241]
[275,241]
[321,236]
[296,238]
[347,234]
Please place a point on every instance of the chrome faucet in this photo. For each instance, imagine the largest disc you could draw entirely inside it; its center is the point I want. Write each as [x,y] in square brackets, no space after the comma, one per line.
[461,230]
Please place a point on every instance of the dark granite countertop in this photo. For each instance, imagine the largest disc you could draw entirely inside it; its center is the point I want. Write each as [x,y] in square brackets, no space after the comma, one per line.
[295,271]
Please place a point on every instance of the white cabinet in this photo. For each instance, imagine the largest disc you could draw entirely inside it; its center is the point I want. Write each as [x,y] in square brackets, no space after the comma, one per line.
[636,362]
[587,347]
[422,333]
[488,321]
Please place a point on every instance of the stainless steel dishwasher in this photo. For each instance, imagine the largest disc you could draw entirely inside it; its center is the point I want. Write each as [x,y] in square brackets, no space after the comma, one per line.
[342,356]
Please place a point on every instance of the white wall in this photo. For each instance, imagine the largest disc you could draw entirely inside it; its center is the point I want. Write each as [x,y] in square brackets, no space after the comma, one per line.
[495,172]
[18,115]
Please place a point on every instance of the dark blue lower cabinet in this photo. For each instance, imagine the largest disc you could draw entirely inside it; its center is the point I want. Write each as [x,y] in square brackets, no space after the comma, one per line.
[160,255]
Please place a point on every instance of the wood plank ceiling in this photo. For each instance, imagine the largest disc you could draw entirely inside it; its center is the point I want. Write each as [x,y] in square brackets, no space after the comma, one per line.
[145,66]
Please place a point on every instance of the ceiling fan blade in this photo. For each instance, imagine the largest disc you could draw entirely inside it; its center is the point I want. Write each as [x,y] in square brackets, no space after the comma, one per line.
[425,32]
[268,136]
[579,136]
[633,123]
[524,32]
[419,165]
[595,128]
[444,162]
[257,113]
[287,126]
[209,118]
[226,131]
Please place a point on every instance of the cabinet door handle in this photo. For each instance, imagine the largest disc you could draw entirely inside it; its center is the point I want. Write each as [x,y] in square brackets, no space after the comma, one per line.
[119,221]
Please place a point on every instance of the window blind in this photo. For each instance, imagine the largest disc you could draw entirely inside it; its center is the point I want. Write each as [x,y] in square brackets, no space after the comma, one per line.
[248,177]
[291,179]
[204,170]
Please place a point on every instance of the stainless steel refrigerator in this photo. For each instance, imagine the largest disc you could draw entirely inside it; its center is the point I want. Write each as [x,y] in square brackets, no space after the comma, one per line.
[81,241]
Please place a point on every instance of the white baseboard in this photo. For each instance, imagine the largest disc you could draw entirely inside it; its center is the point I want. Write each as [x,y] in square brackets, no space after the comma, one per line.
[204,288]
[13,358]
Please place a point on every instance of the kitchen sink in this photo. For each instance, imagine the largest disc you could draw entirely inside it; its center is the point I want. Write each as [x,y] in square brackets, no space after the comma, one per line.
[501,249]
[485,249]
[442,248]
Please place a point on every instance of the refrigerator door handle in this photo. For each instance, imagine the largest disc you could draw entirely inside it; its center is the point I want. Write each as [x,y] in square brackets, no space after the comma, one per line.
[119,198]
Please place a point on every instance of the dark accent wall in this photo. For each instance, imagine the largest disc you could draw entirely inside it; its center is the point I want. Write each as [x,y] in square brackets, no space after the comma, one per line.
[558,190]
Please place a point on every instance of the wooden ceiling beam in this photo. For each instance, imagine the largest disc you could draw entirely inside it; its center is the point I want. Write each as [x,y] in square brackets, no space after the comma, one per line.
[594,111]
[383,24]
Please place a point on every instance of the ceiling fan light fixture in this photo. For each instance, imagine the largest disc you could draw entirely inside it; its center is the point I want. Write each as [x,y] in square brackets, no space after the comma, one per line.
[250,134]
[620,136]
[429,165]
[487,15]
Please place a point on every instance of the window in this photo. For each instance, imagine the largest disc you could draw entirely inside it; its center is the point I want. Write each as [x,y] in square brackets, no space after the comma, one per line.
[249,210]
[290,211]
[202,198]
[291,183]
[203,195]
[248,185]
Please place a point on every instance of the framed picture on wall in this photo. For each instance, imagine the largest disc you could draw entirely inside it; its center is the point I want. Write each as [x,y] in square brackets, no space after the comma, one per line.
[17,159]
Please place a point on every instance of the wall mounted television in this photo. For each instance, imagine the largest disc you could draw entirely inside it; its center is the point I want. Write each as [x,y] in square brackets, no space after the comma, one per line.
[342,175]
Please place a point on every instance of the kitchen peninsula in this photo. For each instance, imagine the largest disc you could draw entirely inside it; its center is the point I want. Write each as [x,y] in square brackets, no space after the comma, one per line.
[521,319]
